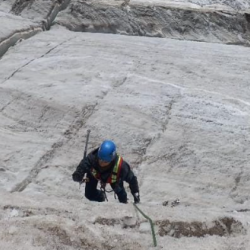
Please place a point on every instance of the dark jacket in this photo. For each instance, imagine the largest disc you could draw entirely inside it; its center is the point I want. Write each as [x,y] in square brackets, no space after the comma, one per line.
[91,160]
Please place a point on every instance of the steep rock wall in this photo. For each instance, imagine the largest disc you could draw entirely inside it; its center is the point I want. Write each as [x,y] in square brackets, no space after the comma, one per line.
[40,15]
[157,21]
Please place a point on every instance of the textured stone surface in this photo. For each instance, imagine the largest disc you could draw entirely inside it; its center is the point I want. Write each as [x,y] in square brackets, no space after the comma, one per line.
[157,21]
[179,112]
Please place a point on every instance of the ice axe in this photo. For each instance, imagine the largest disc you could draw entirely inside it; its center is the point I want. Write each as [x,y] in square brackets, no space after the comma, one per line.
[86,144]
[85,179]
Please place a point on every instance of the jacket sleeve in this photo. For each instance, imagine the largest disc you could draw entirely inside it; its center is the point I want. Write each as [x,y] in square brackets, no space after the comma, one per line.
[83,167]
[128,176]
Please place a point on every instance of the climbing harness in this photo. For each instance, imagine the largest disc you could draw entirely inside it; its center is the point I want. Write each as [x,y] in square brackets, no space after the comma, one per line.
[114,177]
[104,191]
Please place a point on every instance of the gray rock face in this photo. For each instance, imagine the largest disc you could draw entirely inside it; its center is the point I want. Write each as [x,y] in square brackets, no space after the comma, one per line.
[157,21]
[179,112]
[38,9]
[237,5]
[25,18]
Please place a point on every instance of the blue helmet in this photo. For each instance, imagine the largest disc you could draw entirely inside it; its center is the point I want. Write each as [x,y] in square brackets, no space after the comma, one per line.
[107,151]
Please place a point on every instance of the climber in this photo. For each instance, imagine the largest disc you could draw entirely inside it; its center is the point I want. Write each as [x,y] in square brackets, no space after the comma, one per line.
[105,165]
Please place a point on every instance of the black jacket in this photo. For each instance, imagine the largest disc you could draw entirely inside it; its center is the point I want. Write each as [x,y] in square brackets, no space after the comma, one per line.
[91,160]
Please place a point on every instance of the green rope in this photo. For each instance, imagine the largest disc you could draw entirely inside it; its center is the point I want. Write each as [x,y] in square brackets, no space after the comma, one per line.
[151,224]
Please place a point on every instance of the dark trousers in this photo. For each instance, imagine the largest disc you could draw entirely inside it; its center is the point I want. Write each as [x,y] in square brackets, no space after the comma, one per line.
[93,194]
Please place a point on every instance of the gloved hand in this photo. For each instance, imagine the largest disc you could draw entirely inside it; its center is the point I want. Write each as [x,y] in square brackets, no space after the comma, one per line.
[136,198]
[76,177]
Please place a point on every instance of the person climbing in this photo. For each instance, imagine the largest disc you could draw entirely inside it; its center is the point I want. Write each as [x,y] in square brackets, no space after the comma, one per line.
[105,165]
